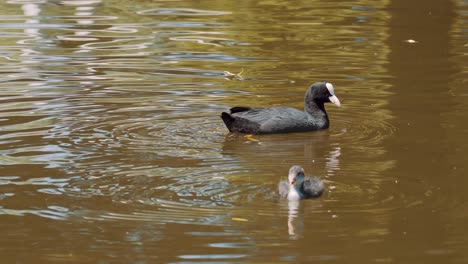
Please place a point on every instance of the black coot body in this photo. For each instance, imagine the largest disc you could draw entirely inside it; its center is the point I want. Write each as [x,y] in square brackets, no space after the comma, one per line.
[259,120]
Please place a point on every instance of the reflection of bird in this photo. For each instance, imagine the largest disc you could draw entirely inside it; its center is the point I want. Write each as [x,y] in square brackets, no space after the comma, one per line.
[295,223]
[300,186]
[284,119]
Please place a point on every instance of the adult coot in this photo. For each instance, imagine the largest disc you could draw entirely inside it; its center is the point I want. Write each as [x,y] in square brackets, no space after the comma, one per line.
[300,186]
[259,120]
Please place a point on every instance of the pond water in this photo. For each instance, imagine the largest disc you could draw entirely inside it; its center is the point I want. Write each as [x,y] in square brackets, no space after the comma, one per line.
[112,149]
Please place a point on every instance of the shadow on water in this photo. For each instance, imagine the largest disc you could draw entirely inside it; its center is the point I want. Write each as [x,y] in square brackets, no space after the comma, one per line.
[424,100]
[283,149]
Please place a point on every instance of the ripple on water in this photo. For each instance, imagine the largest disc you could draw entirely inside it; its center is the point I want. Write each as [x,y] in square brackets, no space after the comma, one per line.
[182,12]
[364,132]
[34,187]
[139,126]
[186,165]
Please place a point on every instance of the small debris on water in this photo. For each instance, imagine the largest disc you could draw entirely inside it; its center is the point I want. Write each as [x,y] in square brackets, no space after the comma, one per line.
[239,219]
[233,76]
[411,41]
[251,138]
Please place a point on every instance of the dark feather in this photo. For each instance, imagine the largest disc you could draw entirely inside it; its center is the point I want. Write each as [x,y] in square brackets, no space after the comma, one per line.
[312,187]
[238,109]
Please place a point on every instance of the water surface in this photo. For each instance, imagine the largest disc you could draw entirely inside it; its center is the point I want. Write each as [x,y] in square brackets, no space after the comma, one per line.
[112,149]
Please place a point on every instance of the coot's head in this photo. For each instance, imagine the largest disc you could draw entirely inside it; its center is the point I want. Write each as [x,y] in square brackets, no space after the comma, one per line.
[322,92]
[296,174]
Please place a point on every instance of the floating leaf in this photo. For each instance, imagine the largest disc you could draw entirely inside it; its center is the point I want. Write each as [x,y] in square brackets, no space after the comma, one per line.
[251,138]
[239,219]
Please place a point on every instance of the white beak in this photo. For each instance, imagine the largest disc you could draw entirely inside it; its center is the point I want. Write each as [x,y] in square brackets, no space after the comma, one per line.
[334,100]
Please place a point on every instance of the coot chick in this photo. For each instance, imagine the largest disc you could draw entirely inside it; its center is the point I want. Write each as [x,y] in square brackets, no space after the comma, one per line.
[300,186]
[265,120]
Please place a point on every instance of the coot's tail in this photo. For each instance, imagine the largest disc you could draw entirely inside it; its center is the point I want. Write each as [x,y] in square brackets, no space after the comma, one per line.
[228,120]
[239,124]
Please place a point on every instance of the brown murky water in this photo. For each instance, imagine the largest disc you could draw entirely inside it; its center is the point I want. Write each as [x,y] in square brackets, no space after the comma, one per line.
[112,150]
